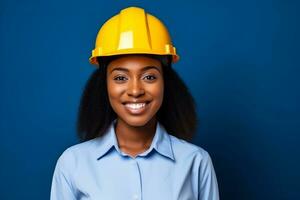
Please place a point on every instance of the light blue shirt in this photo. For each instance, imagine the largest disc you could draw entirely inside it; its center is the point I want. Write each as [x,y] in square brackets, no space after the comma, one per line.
[171,169]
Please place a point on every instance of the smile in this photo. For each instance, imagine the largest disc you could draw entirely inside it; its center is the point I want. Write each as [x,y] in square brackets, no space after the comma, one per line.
[136,108]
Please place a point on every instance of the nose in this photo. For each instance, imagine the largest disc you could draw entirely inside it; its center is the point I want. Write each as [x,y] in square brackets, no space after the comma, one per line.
[135,88]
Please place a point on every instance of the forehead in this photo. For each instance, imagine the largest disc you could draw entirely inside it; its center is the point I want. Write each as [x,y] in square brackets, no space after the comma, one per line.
[134,63]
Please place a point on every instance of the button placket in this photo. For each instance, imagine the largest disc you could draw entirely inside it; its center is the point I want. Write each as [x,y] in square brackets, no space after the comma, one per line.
[138,187]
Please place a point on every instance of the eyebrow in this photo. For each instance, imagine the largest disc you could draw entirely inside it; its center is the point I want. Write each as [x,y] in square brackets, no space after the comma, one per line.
[144,69]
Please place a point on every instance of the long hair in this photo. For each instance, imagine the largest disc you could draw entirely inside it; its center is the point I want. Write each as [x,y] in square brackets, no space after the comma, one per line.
[177,112]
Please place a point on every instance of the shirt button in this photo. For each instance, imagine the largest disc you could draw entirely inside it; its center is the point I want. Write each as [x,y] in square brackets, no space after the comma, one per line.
[135,197]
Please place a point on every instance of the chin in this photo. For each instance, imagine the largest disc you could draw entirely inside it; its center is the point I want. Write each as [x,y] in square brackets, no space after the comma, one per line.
[137,121]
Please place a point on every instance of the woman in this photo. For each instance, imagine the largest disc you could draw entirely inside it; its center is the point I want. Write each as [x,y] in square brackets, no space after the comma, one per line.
[135,120]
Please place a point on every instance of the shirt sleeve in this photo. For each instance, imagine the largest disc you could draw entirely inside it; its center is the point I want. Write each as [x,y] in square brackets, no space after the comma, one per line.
[61,188]
[208,180]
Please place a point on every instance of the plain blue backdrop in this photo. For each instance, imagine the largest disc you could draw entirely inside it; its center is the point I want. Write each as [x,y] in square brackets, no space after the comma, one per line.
[240,60]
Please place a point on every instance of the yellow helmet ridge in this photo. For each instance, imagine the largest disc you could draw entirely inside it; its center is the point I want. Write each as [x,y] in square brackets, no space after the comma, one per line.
[133,31]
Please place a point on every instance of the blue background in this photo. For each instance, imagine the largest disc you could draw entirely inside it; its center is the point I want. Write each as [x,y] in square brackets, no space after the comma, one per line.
[240,60]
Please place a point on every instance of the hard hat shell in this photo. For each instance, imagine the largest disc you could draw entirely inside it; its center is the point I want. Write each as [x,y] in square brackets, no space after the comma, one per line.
[133,31]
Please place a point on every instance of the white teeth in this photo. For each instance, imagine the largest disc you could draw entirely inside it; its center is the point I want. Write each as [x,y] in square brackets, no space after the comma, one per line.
[135,105]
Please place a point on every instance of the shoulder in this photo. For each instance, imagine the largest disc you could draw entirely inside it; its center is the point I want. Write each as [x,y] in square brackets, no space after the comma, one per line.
[73,155]
[183,149]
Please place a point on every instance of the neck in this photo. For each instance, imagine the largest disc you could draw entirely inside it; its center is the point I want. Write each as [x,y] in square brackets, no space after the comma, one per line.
[135,139]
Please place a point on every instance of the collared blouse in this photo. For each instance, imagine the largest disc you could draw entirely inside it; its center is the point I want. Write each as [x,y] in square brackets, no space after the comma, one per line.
[171,169]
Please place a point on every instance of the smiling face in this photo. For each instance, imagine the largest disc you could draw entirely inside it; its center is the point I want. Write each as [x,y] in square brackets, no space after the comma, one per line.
[135,88]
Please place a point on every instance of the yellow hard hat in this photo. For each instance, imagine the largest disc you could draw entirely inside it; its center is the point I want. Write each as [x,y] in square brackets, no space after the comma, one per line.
[133,31]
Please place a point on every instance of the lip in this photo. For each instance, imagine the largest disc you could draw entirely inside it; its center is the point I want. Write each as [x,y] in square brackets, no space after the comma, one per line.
[136,111]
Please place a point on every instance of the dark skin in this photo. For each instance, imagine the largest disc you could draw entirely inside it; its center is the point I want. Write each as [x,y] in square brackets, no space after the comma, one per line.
[135,140]
[135,89]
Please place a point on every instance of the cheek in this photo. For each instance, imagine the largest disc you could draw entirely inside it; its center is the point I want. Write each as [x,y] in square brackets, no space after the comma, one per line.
[114,95]
[158,92]
[114,91]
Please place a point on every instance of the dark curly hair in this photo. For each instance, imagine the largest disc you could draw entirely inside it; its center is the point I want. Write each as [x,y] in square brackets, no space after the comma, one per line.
[177,112]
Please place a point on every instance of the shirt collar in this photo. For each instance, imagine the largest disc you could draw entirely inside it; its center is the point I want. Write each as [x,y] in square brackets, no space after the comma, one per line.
[161,142]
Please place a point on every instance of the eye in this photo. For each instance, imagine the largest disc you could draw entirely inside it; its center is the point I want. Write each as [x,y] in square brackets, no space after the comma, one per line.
[150,77]
[120,78]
